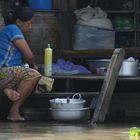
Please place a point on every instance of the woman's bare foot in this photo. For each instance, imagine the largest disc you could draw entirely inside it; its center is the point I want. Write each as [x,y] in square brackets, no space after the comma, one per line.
[15,118]
[12,94]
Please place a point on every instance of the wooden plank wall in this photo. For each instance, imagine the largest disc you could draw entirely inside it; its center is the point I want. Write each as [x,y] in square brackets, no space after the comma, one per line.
[52,27]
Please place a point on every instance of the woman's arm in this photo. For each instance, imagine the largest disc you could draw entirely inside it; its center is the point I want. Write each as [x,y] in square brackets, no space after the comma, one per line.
[28,55]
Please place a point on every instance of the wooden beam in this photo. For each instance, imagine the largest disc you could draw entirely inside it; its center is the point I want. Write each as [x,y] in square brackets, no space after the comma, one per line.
[108,86]
[100,53]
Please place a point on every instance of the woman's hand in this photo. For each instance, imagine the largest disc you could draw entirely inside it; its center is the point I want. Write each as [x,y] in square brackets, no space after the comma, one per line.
[35,67]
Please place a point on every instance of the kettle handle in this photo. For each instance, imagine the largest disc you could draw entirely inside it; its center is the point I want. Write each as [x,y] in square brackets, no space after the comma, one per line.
[76,94]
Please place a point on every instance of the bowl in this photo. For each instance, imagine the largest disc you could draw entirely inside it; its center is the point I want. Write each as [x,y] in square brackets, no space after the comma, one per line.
[68,114]
[98,63]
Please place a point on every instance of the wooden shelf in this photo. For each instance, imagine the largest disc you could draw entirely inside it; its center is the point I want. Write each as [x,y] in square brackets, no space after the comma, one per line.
[100,53]
[95,77]
[125,30]
[120,11]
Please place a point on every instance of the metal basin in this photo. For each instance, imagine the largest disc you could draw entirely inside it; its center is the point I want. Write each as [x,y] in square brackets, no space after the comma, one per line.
[68,114]
[98,63]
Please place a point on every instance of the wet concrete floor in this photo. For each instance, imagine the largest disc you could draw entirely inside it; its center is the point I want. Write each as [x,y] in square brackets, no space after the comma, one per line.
[64,131]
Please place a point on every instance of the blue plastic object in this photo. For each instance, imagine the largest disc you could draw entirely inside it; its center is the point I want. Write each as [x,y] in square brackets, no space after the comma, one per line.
[40,4]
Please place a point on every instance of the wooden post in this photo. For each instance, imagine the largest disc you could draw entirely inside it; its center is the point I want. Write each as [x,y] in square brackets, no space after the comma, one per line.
[108,86]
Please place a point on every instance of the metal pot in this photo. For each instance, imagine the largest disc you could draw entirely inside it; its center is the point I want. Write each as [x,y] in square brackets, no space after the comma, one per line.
[128,68]
[68,114]
[67,103]
[101,70]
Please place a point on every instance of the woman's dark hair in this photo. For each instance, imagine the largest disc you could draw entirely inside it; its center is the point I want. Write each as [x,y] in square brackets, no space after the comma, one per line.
[22,13]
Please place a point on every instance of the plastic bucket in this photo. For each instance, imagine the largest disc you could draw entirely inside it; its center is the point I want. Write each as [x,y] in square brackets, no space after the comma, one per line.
[40,4]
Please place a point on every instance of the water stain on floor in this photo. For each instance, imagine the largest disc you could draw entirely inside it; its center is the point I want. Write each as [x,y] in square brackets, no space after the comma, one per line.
[63,131]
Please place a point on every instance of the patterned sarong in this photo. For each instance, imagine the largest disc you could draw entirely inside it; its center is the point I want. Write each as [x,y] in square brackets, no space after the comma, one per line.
[10,77]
